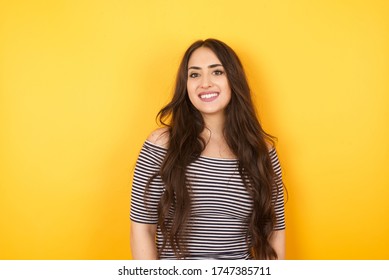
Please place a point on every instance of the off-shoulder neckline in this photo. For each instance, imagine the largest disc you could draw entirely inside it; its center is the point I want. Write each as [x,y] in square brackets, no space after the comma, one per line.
[201,156]
[272,150]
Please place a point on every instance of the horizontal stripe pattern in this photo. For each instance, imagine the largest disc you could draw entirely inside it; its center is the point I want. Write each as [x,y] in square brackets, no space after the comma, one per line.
[220,207]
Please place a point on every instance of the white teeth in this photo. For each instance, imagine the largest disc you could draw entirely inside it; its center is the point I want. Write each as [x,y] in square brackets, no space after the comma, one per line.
[208,95]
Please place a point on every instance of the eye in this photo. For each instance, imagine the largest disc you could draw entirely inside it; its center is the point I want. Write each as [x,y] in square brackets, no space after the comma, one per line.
[194,75]
[218,72]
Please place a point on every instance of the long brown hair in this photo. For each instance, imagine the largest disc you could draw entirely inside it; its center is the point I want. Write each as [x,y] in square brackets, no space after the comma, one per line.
[246,139]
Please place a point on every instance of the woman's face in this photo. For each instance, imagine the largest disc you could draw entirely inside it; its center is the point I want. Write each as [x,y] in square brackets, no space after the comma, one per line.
[207,85]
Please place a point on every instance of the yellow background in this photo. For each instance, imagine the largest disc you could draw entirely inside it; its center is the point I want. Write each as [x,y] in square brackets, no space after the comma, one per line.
[82,80]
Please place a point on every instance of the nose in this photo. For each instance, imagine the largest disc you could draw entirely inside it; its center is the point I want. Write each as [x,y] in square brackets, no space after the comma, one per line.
[206,82]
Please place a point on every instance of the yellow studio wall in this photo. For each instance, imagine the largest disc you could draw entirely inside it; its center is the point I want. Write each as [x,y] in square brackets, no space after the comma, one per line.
[82,81]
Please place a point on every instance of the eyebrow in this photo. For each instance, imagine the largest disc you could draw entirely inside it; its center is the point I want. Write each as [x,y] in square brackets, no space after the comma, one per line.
[210,66]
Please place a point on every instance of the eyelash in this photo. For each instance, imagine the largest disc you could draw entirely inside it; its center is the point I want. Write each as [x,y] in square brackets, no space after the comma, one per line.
[193,75]
[219,71]
[216,72]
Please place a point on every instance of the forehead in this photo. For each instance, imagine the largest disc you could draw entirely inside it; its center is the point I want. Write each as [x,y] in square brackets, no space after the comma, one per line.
[203,57]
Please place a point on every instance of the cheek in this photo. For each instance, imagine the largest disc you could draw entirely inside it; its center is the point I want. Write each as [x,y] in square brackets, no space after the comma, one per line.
[190,87]
[191,91]
[229,94]
[228,90]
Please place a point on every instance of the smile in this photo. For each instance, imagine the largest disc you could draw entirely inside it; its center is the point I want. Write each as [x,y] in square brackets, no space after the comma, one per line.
[208,96]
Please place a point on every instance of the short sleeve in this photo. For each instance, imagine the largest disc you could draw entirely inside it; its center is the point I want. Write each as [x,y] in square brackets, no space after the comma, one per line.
[144,205]
[278,192]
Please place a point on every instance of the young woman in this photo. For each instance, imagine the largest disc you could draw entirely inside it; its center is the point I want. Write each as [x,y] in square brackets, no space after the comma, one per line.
[208,184]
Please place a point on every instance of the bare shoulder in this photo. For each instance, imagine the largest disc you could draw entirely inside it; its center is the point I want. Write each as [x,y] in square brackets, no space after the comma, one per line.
[159,137]
[270,145]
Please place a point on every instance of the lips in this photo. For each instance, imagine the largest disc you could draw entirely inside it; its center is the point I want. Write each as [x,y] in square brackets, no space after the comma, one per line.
[208,96]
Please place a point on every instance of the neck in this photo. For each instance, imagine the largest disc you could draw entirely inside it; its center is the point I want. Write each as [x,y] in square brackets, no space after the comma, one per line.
[215,124]
[213,134]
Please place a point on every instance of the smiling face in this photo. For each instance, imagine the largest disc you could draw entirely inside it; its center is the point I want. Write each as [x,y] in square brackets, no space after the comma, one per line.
[208,87]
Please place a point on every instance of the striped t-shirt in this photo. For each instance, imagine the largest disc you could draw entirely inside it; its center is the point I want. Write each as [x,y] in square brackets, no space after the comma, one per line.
[220,208]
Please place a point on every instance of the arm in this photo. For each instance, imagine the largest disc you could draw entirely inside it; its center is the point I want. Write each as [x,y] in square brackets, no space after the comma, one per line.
[277,241]
[143,231]
[143,241]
